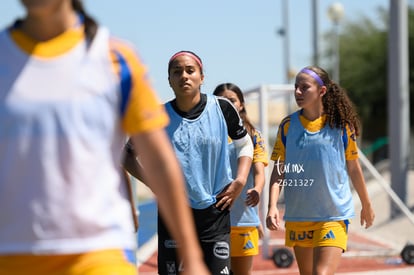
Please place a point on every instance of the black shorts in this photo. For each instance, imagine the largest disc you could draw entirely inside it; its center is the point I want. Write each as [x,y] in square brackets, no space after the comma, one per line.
[213,230]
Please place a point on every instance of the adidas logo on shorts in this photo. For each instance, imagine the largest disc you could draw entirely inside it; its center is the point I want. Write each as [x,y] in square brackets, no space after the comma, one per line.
[329,235]
[225,271]
[249,245]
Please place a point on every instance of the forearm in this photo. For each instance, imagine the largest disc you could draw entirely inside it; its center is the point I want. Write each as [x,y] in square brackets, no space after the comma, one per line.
[357,179]
[243,169]
[274,186]
[259,176]
[272,216]
[131,164]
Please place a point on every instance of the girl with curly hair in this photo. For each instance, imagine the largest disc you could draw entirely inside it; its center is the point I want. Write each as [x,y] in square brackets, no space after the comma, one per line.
[315,156]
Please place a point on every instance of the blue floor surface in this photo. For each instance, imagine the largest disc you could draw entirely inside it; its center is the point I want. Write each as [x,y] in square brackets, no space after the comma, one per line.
[147,221]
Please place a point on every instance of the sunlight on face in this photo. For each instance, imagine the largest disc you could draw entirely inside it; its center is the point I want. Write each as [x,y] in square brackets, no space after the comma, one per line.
[185,75]
[306,90]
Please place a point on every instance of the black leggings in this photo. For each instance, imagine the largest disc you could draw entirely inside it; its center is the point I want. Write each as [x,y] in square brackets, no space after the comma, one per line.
[213,230]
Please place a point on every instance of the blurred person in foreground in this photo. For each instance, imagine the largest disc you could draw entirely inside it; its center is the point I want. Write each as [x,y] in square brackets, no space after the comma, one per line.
[69,95]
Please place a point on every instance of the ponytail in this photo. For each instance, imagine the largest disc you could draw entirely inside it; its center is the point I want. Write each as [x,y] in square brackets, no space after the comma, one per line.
[91,26]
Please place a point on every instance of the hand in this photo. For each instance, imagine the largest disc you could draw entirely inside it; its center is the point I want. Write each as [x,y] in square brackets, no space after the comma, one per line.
[229,195]
[253,197]
[261,231]
[367,216]
[272,219]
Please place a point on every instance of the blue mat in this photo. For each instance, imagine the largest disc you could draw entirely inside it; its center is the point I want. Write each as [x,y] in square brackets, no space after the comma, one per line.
[147,221]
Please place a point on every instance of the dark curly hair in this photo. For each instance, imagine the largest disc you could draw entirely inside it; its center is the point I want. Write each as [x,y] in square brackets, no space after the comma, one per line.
[338,107]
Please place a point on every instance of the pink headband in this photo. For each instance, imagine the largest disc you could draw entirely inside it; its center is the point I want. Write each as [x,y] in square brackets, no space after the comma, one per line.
[188,54]
[314,75]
